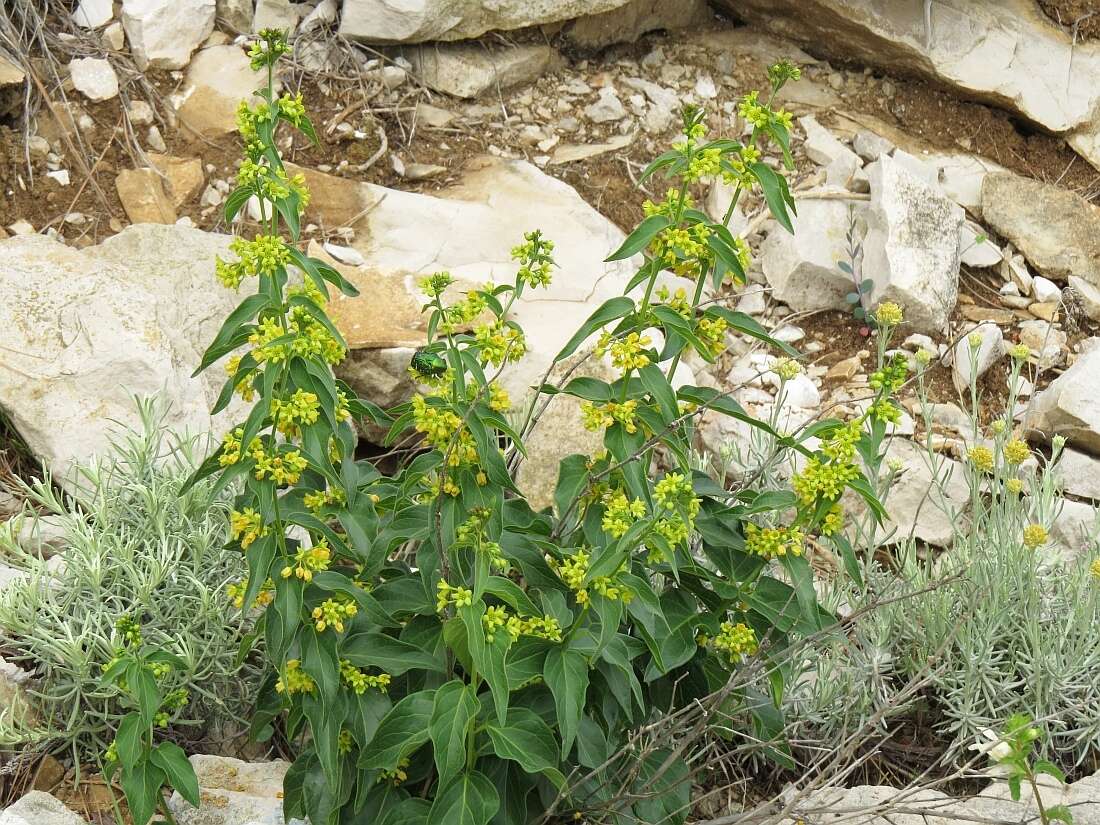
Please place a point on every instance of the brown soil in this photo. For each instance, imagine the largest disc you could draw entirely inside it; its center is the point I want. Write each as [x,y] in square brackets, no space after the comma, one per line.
[1080,17]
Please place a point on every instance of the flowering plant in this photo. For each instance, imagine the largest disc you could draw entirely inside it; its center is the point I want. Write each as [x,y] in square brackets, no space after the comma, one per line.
[455,655]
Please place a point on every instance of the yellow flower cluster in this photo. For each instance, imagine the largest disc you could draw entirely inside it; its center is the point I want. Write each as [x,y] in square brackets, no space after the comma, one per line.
[244,389]
[752,110]
[712,332]
[705,164]
[359,680]
[1016,451]
[889,314]
[344,742]
[620,512]
[446,595]
[270,46]
[597,417]
[1014,486]
[295,680]
[317,500]
[332,612]
[827,479]
[499,343]
[462,313]
[740,161]
[310,339]
[1094,569]
[306,562]
[626,353]
[682,248]
[787,368]
[545,628]
[284,467]
[292,108]
[1035,536]
[773,542]
[434,285]
[1021,352]
[677,302]
[678,505]
[238,590]
[736,640]
[231,447]
[535,259]
[260,256]
[397,775]
[301,408]
[573,571]
[981,457]
[833,522]
[249,119]
[498,398]
[441,426]
[246,526]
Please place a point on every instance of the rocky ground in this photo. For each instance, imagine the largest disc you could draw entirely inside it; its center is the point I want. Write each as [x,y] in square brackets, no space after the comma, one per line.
[969,192]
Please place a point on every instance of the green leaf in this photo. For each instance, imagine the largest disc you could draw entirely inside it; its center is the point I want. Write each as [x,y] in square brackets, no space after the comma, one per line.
[142,784]
[408,812]
[373,649]
[566,674]
[365,713]
[572,479]
[611,310]
[130,739]
[470,799]
[589,389]
[455,708]
[1049,768]
[1060,812]
[227,338]
[639,239]
[774,187]
[657,385]
[170,758]
[144,687]
[236,200]
[528,740]
[747,325]
[403,730]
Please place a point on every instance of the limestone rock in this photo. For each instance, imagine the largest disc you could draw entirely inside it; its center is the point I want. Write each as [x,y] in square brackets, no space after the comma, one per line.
[183,177]
[821,145]
[1044,340]
[417,21]
[91,14]
[1074,531]
[234,793]
[607,107]
[237,14]
[975,247]
[1070,406]
[86,329]
[1003,51]
[912,246]
[217,80]
[468,70]
[969,362]
[1058,231]
[802,268]
[94,77]
[629,22]
[144,197]
[960,178]
[39,808]
[928,495]
[870,146]
[1089,296]
[1079,474]
[164,33]
[276,14]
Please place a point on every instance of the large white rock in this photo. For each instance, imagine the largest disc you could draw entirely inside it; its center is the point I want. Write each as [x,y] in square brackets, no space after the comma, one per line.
[629,22]
[234,793]
[1079,474]
[39,808]
[1003,51]
[1070,406]
[1057,230]
[416,21]
[928,498]
[84,329]
[821,145]
[468,69]
[911,249]
[217,80]
[802,268]
[164,33]
[94,77]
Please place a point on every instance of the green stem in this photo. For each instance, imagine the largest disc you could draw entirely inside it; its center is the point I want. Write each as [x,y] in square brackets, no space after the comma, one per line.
[166,811]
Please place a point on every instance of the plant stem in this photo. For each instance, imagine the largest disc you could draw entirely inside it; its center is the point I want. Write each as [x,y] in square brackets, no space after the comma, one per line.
[166,811]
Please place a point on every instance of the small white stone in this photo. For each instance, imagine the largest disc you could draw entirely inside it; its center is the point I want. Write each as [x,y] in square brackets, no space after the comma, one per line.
[140,112]
[61,176]
[345,254]
[155,141]
[114,38]
[705,88]
[94,77]
[91,14]
[975,248]
[1045,289]
[21,227]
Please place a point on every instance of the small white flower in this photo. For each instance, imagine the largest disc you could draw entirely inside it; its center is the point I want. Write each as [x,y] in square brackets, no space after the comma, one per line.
[995,747]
